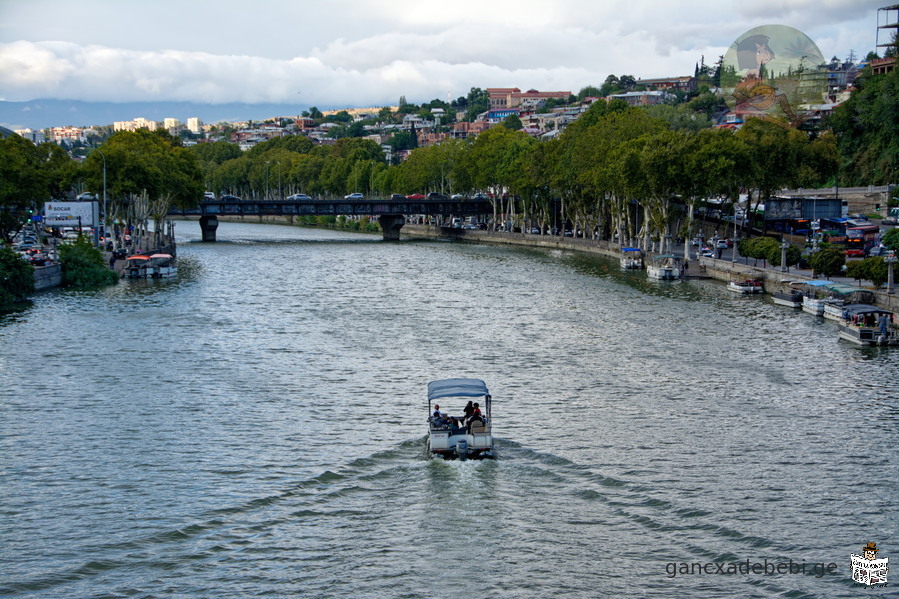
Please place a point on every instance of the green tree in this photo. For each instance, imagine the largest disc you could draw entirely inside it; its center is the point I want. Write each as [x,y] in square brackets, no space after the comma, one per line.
[827,262]
[83,266]
[16,278]
[890,240]
[513,122]
[24,183]
[867,130]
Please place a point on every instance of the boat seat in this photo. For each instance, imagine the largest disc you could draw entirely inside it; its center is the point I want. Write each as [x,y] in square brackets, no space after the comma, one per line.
[478,428]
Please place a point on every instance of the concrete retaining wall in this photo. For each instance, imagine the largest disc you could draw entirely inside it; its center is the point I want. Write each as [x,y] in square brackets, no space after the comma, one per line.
[47,277]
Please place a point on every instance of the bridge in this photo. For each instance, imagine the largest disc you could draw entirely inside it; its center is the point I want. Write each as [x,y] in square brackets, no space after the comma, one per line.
[391,213]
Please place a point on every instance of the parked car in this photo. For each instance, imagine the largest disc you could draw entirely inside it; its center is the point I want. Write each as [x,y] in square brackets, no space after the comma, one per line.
[878,251]
[397,197]
[479,196]
[230,198]
[299,197]
[722,244]
[890,220]
[86,197]
[707,252]
[354,196]
[415,196]
[208,195]
[437,196]
[457,196]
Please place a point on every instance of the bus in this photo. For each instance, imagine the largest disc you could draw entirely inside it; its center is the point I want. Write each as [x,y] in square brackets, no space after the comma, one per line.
[861,238]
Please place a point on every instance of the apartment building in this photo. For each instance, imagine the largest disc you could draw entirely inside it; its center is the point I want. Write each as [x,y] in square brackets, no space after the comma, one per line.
[512,97]
[134,125]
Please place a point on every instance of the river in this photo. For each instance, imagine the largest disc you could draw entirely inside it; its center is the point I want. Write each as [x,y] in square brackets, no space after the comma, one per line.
[257,428]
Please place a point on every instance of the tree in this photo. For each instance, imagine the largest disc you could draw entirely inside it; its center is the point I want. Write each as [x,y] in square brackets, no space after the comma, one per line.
[513,122]
[827,262]
[24,183]
[83,266]
[16,278]
[589,92]
[890,240]
[867,130]
[315,114]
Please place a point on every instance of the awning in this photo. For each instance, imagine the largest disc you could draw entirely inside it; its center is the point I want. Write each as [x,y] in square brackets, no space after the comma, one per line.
[139,257]
[856,309]
[161,256]
[456,388]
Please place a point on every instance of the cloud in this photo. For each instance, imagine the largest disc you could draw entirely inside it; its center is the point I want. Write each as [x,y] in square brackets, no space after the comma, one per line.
[369,52]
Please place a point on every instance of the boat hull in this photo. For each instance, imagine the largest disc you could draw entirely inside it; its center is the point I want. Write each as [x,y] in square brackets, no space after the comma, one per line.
[866,336]
[788,300]
[662,273]
[462,444]
[745,288]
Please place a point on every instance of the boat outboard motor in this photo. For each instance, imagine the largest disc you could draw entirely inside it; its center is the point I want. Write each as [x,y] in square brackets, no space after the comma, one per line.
[462,448]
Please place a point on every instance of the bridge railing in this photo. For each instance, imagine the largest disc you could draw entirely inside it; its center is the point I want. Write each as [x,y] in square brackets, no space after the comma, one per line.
[371,207]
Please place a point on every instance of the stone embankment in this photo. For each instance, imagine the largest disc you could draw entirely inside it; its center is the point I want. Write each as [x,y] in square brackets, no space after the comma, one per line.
[722,270]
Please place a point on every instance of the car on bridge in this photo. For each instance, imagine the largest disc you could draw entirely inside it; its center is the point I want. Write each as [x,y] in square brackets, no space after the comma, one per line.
[230,198]
[397,197]
[354,196]
[415,196]
[299,197]
[209,196]
[437,196]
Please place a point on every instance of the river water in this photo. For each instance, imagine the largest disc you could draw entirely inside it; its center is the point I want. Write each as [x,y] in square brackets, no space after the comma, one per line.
[257,428]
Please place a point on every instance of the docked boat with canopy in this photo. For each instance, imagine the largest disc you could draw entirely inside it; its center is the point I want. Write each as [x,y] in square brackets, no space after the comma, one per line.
[864,324]
[459,434]
[632,258]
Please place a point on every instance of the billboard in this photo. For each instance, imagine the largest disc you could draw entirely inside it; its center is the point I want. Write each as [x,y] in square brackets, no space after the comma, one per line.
[796,208]
[72,214]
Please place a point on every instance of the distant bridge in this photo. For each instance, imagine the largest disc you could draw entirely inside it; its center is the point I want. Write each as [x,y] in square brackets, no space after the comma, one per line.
[391,213]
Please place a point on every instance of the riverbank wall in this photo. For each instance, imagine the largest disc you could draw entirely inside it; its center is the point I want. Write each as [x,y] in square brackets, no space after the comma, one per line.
[723,270]
[47,277]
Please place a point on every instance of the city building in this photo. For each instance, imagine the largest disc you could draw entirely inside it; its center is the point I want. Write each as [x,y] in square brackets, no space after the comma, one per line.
[512,97]
[170,123]
[134,125]
[682,84]
[194,125]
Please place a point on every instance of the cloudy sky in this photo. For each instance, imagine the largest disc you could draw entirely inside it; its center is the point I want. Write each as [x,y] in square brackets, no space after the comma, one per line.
[340,53]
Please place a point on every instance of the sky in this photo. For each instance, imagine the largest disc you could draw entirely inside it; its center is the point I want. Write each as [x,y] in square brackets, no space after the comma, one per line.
[360,53]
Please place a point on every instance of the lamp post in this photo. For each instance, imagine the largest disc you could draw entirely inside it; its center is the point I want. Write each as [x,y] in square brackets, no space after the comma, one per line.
[103,156]
[733,252]
[890,260]
[783,255]
[280,193]
[266,179]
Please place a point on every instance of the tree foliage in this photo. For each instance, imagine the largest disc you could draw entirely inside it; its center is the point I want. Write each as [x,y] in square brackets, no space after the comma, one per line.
[83,266]
[827,262]
[16,278]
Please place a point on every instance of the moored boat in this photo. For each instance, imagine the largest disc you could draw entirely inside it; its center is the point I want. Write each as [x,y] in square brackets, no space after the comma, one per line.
[664,267]
[161,266]
[790,297]
[813,298]
[136,267]
[631,258]
[864,324]
[746,286]
[463,436]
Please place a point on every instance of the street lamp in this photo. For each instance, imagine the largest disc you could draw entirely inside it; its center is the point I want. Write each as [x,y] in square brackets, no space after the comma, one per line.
[266,179]
[104,188]
[783,255]
[890,260]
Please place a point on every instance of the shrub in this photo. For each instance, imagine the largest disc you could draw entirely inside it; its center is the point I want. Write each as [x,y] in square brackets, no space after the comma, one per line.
[16,278]
[83,266]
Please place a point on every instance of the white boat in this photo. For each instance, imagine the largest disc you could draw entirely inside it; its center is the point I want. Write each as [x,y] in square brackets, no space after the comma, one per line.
[161,266]
[154,266]
[863,324]
[814,298]
[746,286]
[451,435]
[136,267]
[632,258]
[664,267]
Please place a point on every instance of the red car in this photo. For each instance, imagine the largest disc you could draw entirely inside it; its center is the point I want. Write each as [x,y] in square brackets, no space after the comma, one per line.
[415,196]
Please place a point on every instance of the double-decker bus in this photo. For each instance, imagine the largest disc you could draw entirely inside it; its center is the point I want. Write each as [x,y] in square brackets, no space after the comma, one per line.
[861,238]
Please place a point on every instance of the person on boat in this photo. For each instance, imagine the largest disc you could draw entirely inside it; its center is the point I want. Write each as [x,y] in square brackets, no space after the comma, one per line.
[437,413]
[475,415]
[469,410]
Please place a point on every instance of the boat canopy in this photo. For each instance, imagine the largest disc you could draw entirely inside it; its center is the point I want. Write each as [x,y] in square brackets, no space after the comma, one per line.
[856,309]
[661,257]
[818,283]
[456,388]
[844,291]
[138,257]
[160,256]
[631,250]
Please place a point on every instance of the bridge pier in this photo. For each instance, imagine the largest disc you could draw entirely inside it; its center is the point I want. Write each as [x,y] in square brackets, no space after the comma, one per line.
[391,225]
[208,225]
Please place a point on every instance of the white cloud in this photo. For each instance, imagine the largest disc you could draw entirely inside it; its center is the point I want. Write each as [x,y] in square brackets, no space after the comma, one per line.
[369,52]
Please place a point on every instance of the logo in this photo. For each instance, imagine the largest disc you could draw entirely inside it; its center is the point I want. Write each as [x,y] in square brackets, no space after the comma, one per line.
[773,72]
[867,569]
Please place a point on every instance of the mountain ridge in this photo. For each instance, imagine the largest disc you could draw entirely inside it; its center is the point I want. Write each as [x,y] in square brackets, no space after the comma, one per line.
[44,113]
